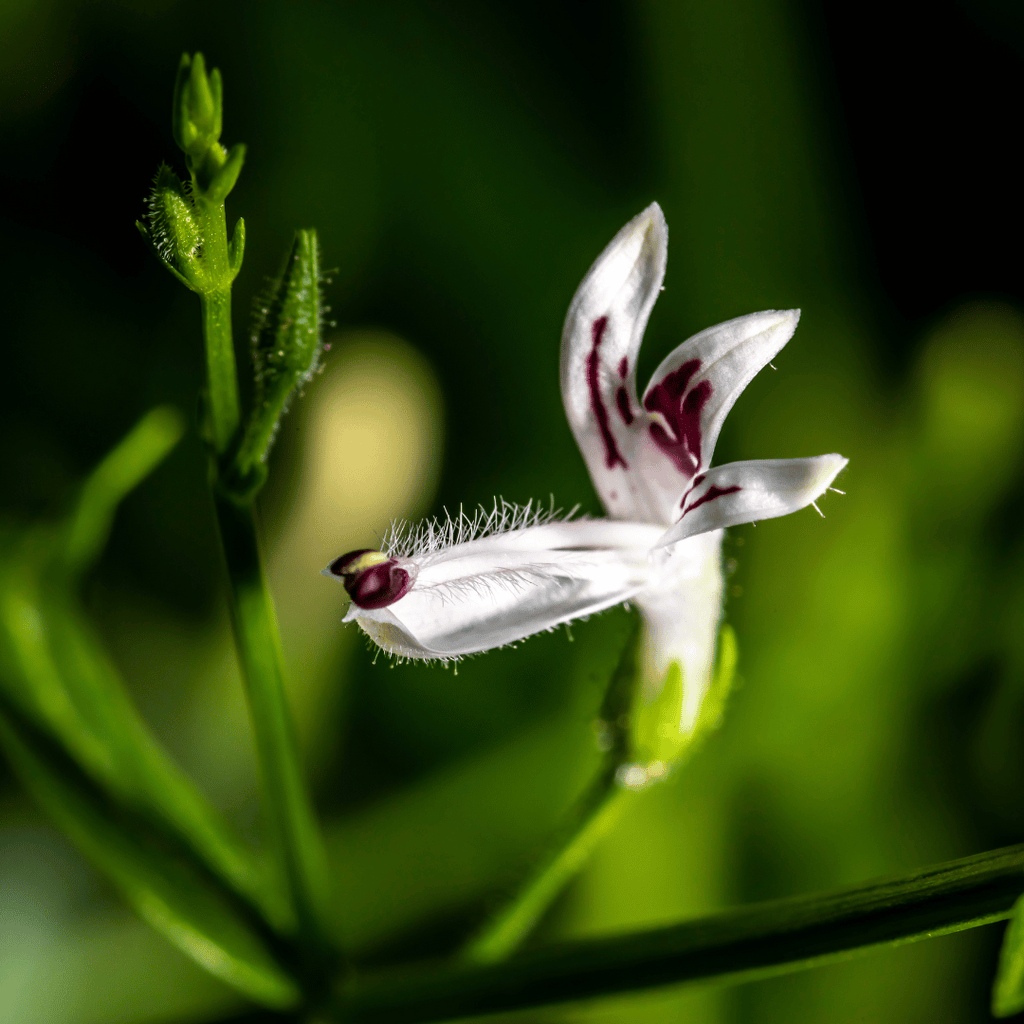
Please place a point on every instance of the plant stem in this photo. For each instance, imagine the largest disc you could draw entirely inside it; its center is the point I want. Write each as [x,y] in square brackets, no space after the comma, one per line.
[744,944]
[221,375]
[295,835]
[596,813]
[288,807]
[221,378]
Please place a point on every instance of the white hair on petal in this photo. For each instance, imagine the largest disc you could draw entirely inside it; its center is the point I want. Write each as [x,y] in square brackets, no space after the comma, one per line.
[408,540]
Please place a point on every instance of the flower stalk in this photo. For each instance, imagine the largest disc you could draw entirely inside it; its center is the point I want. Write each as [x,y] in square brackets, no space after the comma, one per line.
[187,226]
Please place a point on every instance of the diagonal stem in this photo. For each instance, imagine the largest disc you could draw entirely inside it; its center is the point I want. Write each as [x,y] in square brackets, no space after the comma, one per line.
[296,836]
[593,818]
[751,942]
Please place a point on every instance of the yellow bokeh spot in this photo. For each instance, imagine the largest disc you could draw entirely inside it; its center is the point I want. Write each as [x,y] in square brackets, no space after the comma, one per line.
[371,452]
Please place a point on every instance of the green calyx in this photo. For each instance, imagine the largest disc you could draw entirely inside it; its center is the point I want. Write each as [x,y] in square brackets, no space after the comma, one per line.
[655,725]
[657,739]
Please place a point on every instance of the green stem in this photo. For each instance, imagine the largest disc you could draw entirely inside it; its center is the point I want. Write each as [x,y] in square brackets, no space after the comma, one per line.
[221,377]
[296,837]
[596,813]
[288,807]
[751,942]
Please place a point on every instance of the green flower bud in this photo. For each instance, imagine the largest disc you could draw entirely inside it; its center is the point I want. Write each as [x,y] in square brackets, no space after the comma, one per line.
[197,117]
[197,111]
[172,227]
[286,347]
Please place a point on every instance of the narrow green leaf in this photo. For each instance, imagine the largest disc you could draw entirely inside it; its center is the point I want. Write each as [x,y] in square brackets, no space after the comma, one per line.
[236,247]
[225,179]
[1008,990]
[750,942]
[161,878]
[55,671]
[141,451]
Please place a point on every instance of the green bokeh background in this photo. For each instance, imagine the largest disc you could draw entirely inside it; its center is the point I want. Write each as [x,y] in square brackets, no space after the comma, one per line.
[464,164]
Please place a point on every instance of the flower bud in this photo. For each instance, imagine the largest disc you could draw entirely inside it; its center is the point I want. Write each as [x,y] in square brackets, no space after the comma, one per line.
[172,227]
[286,344]
[197,111]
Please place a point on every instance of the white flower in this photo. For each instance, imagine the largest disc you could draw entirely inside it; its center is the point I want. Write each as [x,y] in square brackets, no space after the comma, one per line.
[466,586]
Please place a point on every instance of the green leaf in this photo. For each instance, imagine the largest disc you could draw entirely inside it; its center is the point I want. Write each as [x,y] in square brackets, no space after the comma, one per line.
[236,248]
[141,451]
[1008,990]
[226,177]
[750,942]
[54,670]
[159,876]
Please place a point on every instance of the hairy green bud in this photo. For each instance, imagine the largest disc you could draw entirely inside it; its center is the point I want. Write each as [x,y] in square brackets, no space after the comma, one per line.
[172,226]
[286,345]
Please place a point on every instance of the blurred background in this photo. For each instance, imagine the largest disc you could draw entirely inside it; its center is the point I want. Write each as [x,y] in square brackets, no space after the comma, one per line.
[464,163]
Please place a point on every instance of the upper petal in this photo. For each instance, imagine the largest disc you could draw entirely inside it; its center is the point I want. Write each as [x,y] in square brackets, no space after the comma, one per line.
[743,492]
[693,389]
[600,341]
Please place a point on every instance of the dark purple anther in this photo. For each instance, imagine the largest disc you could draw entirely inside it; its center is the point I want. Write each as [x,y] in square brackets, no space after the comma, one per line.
[371,578]
[612,455]
[682,410]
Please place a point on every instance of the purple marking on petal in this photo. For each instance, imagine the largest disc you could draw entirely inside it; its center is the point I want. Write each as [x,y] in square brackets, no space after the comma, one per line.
[623,367]
[681,407]
[712,493]
[612,455]
[622,401]
[376,586]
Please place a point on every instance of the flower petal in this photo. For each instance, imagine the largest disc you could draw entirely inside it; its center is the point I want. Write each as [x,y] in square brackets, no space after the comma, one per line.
[600,341]
[497,590]
[691,393]
[743,492]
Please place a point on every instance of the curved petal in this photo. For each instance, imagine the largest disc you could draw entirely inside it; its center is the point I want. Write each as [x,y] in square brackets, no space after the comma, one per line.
[691,393]
[743,492]
[497,590]
[600,341]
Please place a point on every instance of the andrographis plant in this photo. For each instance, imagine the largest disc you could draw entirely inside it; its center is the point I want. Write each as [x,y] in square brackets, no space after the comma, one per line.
[265,923]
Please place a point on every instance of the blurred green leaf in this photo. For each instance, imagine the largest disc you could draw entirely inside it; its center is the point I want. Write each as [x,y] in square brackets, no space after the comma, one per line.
[1008,989]
[141,451]
[162,878]
[71,729]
